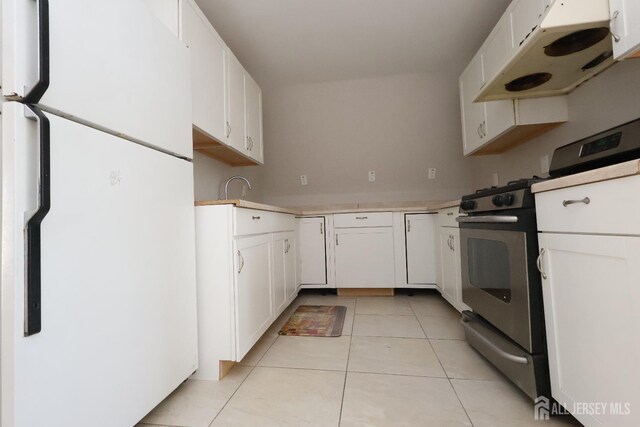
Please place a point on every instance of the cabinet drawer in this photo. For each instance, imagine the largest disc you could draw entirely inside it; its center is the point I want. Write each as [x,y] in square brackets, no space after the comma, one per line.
[613,208]
[365,219]
[252,221]
[447,217]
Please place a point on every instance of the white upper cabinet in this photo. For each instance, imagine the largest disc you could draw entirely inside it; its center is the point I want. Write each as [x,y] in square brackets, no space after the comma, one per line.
[494,127]
[235,103]
[473,114]
[207,51]
[253,118]
[496,48]
[226,101]
[525,15]
[625,28]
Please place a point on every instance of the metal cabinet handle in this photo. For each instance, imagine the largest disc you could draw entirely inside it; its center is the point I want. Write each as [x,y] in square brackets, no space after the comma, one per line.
[228,129]
[449,242]
[321,228]
[479,130]
[453,246]
[586,201]
[255,217]
[449,213]
[41,86]
[241,261]
[408,226]
[484,129]
[539,264]
[361,217]
[33,315]
[247,144]
[336,240]
[614,16]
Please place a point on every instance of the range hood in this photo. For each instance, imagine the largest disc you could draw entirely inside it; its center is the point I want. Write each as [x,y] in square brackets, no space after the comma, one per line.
[570,44]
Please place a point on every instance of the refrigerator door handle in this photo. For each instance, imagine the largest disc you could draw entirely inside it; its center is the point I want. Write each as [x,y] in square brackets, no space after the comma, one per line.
[33,235]
[41,86]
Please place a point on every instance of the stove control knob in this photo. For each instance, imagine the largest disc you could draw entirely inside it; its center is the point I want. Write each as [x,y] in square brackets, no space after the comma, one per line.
[508,199]
[468,205]
[498,200]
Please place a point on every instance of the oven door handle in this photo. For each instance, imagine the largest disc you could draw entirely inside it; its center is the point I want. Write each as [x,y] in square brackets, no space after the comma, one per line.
[511,357]
[488,219]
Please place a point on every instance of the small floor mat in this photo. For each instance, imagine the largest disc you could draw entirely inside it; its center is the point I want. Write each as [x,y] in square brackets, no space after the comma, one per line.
[315,321]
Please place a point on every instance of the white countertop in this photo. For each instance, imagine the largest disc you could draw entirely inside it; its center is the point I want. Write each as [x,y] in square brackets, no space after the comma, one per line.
[620,170]
[341,208]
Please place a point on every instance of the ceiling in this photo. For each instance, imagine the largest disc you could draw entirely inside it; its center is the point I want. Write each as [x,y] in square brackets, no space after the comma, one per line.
[305,41]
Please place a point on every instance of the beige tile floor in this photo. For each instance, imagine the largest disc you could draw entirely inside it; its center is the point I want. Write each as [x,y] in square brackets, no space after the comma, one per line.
[402,361]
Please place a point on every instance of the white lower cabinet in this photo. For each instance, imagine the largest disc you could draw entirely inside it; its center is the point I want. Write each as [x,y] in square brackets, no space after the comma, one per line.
[313,251]
[590,265]
[591,288]
[253,290]
[420,250]
[284,270]
[448,258]
[364,257]
[450,285]
[246,267]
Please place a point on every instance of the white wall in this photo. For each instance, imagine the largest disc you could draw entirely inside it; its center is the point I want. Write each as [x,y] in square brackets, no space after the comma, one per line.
[607,100]
[336,132]
[210,176]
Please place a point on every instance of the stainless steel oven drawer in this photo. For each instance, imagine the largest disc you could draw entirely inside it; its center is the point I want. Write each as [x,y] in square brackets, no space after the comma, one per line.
[529,372]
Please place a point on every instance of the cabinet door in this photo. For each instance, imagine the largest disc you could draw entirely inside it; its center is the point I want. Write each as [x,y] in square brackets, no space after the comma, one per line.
[253,291]
[313,251]
[253,111]
[473,114]
[591,291]
[447,286]
[364,258]
[290,267]
[235,103]
[625,24]
[496,49]
[421,266]
[525,16]
[279,272]
[207,52]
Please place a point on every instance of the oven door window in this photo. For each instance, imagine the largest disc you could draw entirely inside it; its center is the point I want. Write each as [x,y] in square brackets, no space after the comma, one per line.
[489,267]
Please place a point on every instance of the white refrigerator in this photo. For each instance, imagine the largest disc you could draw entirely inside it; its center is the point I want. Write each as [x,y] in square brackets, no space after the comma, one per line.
[97,298]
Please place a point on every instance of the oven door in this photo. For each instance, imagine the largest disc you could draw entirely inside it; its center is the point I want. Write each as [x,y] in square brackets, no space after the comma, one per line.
[497,253]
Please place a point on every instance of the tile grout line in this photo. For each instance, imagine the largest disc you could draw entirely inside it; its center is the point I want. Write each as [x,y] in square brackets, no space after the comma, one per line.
[346,370]
[245,378]
[444,370]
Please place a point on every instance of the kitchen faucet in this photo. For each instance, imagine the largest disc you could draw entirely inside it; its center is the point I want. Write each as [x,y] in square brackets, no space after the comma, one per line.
[226,186]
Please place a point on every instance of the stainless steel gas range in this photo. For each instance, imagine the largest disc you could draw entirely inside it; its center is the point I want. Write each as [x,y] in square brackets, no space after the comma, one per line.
[501,283]
[499,248]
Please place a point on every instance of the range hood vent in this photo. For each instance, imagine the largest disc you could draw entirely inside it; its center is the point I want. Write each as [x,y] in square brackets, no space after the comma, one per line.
[570,44]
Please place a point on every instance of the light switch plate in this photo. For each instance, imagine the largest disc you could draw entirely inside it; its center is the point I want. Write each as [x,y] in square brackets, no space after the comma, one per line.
[372,176]
[495,179]
[303,180]
[432,173]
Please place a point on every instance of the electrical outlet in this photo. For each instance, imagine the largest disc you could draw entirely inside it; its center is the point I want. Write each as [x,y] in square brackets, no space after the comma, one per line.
[432,173]
[372,176]
[495,179]
[303,179]
[544,164]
